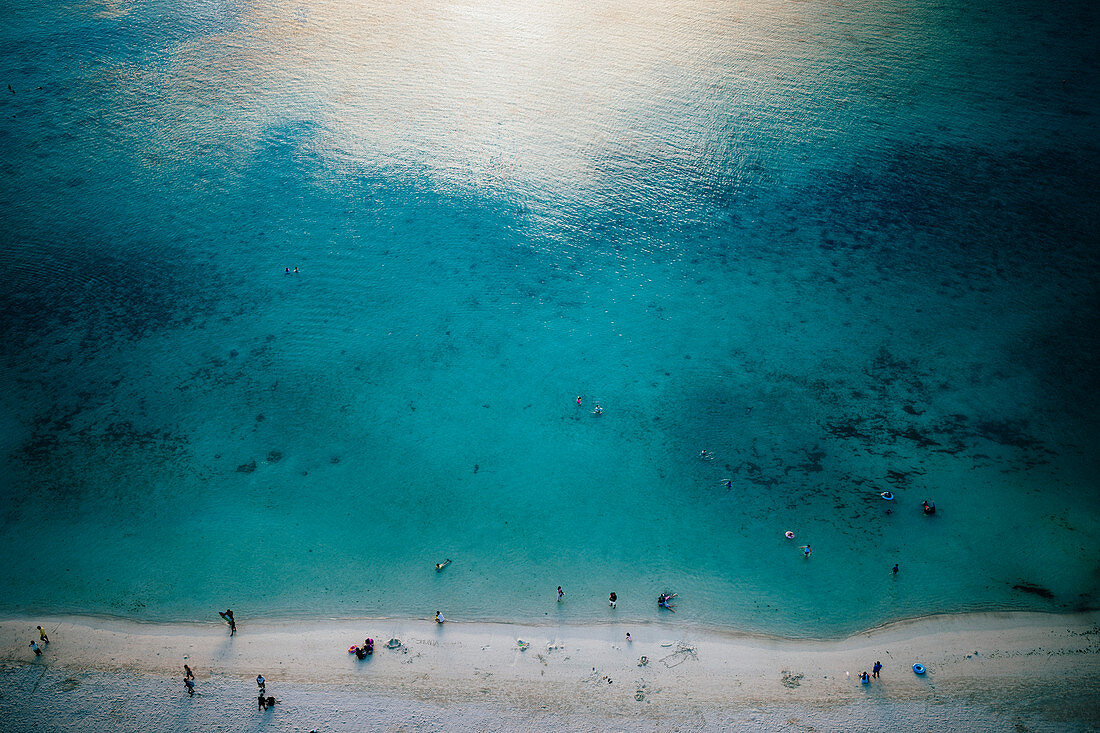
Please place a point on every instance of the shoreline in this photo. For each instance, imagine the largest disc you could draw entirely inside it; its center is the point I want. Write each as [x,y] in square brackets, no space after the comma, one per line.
[1044,667]
[108,620]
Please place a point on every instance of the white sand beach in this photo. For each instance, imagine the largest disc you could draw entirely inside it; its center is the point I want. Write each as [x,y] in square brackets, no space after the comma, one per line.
[988,671]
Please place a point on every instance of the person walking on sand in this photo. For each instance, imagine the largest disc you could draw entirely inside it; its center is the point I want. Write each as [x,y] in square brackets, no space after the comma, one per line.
[876,669]
[37,651]
[187,673]
[261,683]
[561,594]
[42,635]
[262,701]
[628,636]
[613,599]
[190,685]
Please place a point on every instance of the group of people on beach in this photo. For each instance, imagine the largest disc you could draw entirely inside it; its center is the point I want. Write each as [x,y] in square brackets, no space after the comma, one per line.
[364,651]
[865,678]
[42,638]
[265,701]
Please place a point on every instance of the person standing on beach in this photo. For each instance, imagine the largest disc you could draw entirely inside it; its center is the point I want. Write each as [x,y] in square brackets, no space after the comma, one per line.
[876,669]
[262,701]
[561,594]
[37,651]
[261,683]
[42,635]
[187,673]
[190,685]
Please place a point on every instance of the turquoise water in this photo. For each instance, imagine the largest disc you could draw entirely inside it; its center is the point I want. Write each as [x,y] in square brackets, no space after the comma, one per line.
[844,248]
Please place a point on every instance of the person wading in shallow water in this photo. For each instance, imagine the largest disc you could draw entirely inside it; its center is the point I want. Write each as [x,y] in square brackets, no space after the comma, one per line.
[228,616]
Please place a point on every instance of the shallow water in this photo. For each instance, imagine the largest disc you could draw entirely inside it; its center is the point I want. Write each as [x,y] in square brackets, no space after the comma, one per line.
[846,249]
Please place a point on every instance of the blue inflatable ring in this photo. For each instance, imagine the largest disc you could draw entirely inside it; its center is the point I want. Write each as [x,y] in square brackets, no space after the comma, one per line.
[887,496]
[918,668]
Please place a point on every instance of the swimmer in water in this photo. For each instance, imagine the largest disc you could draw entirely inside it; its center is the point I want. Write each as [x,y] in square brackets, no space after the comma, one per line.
[440,565]
[805,550]
[598,410]
[578,400]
